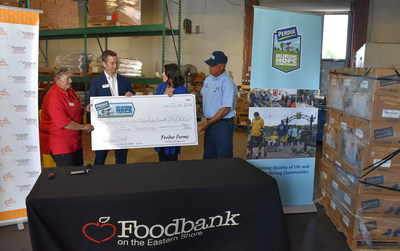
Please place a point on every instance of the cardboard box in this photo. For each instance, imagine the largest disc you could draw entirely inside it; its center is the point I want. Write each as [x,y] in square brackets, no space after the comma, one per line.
[57,14]
[144,91]
[139,86]
[334,118]
[375,81]
[332,137]
[198,77]
[383,81]
[335,92]
[371,94]
[385,109]
[385,134]
[243,120]
[324,182]
[325,169]
[236,120]
[354,83]
[198,87]
[322,196]
[371,228]
[242,108]
[10,2]
[362,157]
[373,183]
[328,116]
[240,100]
[325,189]
[328,152]
[81,96]
[365,225]
[101,11]
[369,204]
[361,129]
[332,210]
[346,120]
[376,108]
[333,79]
[244,94]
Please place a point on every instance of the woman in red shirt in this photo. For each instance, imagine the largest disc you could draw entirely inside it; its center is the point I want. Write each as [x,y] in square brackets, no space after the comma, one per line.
[61,125]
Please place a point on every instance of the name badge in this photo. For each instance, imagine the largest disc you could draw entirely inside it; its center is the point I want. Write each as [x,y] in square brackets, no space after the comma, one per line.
[106,86]
[71,104]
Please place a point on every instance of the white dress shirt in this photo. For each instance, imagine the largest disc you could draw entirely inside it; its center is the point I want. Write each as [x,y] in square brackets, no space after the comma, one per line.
[113,83]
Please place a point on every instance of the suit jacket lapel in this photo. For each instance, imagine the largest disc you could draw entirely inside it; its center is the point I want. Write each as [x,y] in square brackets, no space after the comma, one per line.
[119,85]
[105,82]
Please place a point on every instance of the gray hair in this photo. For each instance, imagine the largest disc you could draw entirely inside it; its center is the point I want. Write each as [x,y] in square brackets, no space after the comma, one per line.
[58,70]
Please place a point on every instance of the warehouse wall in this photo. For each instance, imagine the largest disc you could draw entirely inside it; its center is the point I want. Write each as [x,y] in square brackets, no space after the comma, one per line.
[221,24]
[383,21]
[221,28]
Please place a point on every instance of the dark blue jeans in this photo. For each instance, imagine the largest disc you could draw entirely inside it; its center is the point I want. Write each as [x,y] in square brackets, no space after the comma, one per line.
[218,139]
[120,156]
[68,159]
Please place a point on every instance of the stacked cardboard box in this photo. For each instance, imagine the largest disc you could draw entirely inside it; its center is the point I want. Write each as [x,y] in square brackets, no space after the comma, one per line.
[242,109]
[10,2]
[82,97]
[112,12]
[360,168]
[57,14]
[75,62]
[197,81]
[142,89]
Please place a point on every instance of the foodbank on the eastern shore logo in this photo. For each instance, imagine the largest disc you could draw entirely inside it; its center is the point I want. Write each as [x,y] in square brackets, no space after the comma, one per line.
[286,49]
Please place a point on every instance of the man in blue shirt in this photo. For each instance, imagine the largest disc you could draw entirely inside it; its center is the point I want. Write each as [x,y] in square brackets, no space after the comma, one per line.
[282,130]
[219,100]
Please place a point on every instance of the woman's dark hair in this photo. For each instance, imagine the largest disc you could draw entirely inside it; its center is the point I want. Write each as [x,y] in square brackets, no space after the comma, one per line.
[173,73]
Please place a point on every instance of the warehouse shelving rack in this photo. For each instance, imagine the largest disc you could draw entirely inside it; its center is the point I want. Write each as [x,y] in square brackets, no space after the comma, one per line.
[116,31]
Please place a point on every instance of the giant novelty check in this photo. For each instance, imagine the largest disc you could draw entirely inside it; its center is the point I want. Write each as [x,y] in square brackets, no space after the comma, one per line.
[143,121]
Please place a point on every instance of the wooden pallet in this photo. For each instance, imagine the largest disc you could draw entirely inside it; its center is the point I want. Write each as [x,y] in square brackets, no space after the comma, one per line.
[81,74]
[48,27]
[44,72]
[72,74]
[93,74]
[106,24]
[358,245]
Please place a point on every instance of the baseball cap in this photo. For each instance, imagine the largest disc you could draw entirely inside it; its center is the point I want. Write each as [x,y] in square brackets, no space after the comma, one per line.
[217,57]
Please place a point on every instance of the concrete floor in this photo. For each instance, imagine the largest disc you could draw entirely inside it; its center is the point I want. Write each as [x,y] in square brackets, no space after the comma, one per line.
[307,231]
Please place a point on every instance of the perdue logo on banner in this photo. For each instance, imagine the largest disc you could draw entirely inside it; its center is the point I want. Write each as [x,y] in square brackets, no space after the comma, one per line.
[286,53]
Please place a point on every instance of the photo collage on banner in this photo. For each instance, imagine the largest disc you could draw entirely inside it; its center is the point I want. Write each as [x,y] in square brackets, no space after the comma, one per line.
[19,138]
[284,90]
[295,137]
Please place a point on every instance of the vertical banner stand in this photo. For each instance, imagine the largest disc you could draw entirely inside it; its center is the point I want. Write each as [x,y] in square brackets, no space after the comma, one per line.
[19,138]
[285,75]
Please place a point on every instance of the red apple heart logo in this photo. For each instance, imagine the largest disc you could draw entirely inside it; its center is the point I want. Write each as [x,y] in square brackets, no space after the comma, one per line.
[92,229]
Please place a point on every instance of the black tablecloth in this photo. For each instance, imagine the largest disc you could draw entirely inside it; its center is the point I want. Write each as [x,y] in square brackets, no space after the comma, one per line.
[219,204]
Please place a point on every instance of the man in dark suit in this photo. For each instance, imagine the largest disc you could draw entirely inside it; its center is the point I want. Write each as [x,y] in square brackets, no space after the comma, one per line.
[109,83]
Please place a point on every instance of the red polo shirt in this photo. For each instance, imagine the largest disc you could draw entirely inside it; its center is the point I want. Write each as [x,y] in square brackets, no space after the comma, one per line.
[59,108]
